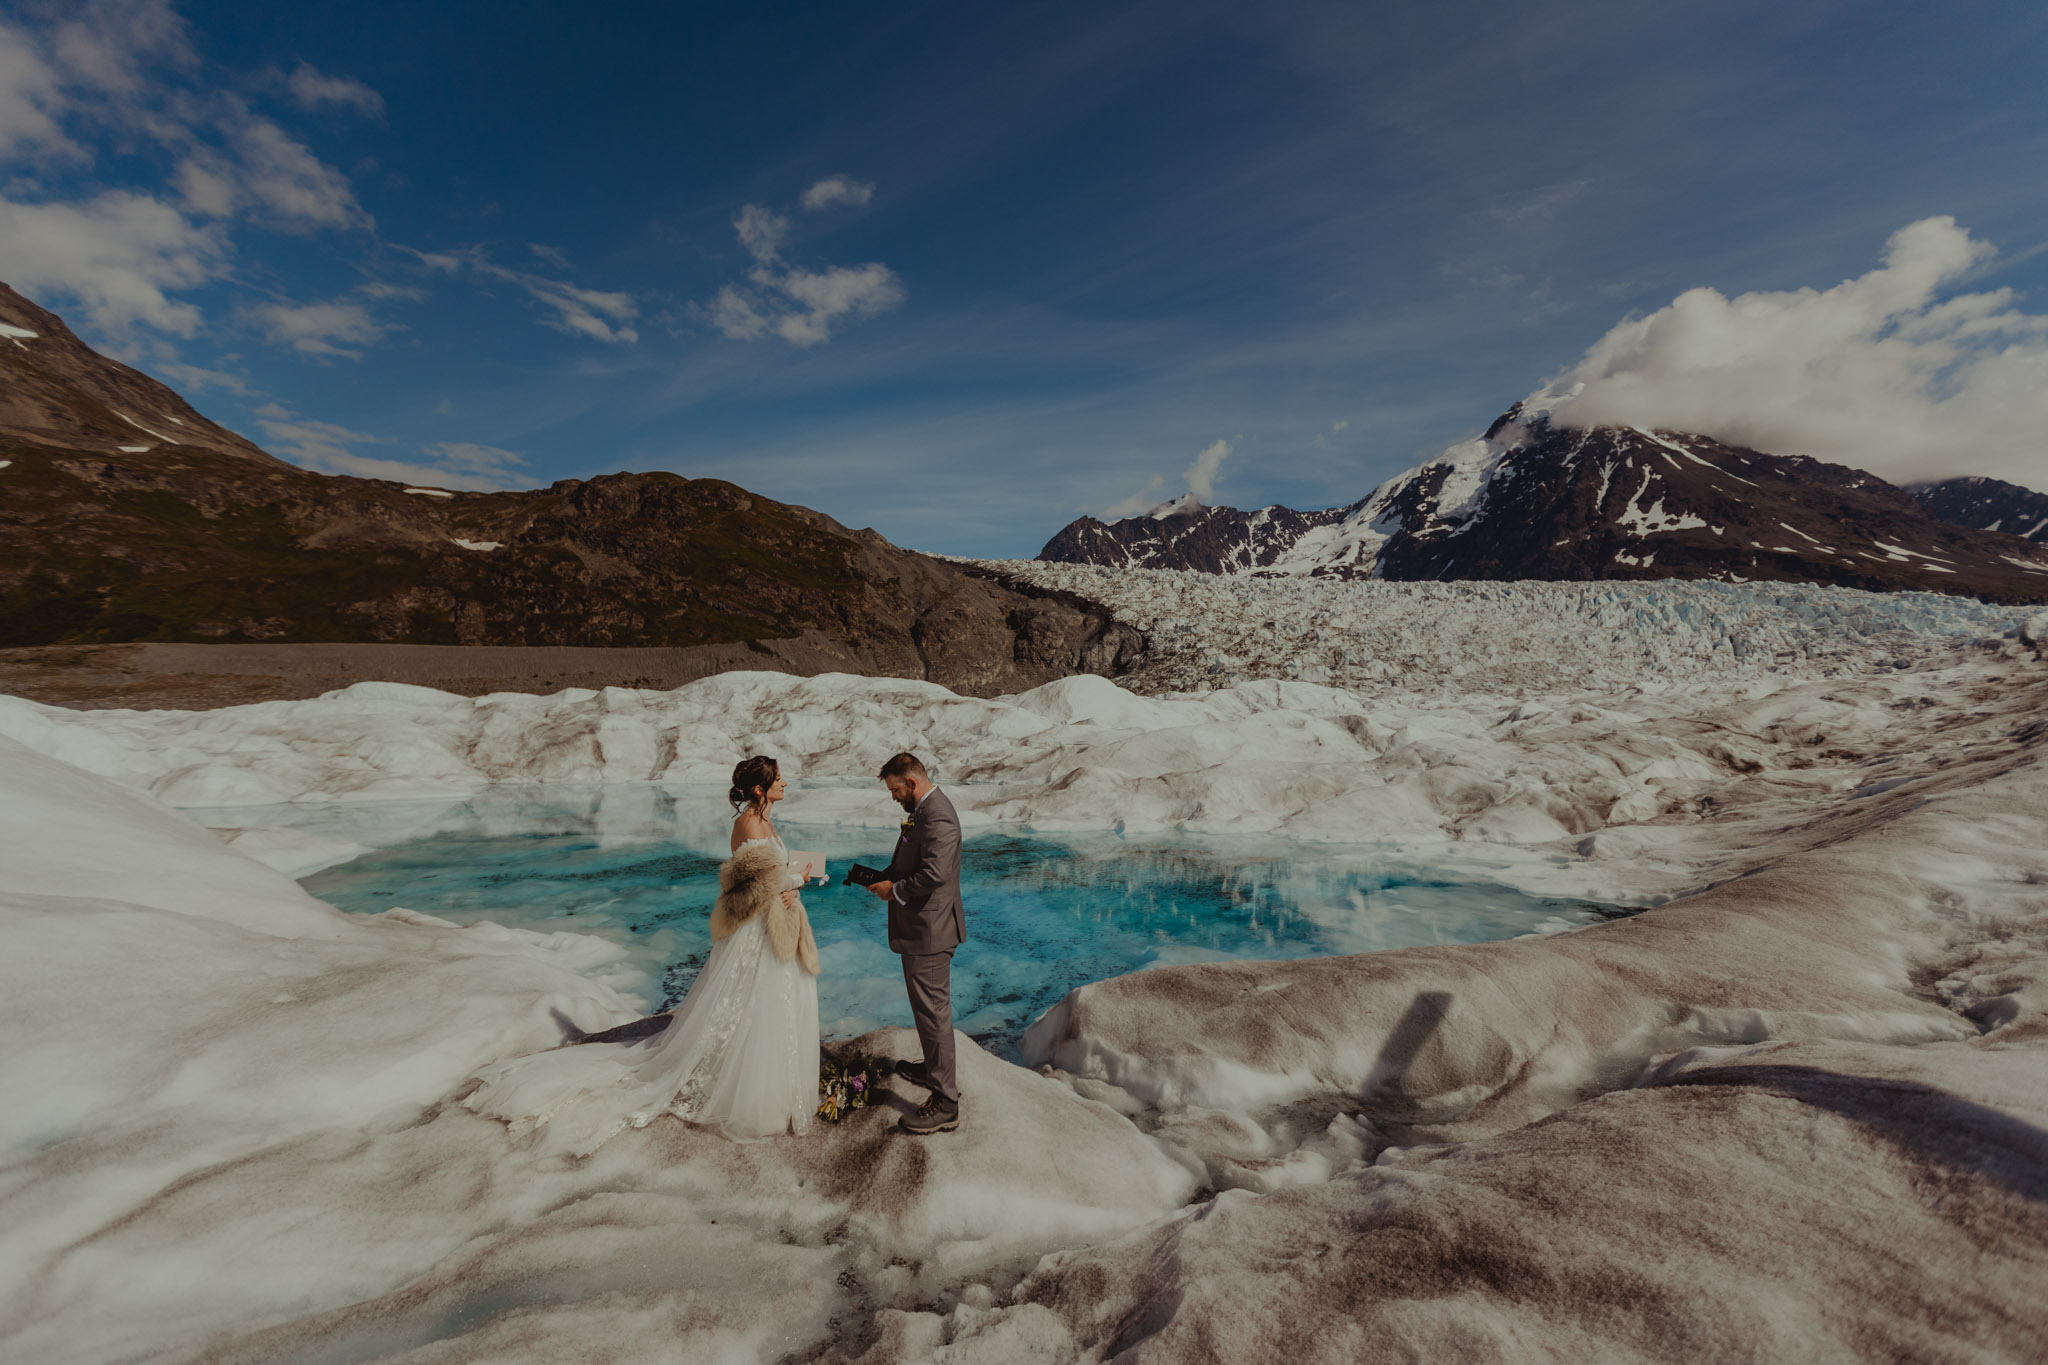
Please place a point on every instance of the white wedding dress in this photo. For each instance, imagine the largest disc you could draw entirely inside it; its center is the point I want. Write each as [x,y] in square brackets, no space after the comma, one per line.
[740,1055]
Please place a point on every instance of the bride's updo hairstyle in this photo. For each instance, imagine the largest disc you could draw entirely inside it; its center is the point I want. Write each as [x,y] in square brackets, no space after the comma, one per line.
[751,781]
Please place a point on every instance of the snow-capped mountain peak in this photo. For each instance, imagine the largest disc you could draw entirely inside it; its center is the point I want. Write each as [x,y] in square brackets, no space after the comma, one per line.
[1532,500]
[1187,504]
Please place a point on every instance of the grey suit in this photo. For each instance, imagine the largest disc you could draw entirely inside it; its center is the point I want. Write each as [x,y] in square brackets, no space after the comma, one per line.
[926,923]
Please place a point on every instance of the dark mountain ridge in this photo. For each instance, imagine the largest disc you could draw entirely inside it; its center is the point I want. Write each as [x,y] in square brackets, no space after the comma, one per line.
[1529,500]
[128,516]
[1987,504]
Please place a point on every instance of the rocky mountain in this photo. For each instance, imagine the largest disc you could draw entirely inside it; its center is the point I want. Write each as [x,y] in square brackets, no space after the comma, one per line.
[128,516]
[1528,500]
[1989,504]
[1184,534]
[56,391]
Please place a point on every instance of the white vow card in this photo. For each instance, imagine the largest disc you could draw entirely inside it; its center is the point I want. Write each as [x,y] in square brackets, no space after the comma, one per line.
[804,867]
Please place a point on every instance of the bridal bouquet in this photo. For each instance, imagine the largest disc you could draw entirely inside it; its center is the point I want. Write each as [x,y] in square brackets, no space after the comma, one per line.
[845,1084]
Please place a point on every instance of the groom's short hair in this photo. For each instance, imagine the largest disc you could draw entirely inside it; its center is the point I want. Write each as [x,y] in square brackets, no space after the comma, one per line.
[902,765]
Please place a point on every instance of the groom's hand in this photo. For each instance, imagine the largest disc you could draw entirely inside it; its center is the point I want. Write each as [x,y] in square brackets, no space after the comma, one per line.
[882,889]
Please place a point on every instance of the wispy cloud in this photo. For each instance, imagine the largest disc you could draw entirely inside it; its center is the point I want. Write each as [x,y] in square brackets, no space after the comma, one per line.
[835,190]
[314,89]
[469,459]
[1538,205]
[281,181]
[1143,500]
[336,328]
[1199,476]
[800,305]
[331,449]
[598,314]
[1882,372]
[601,315]
[761,231]
[32,101]
[125,70]
[325,446]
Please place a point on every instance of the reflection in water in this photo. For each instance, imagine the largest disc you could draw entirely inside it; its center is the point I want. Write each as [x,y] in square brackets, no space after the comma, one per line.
[639,865]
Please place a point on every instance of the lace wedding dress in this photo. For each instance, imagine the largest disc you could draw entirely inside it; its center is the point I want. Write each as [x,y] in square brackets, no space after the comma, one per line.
[740,1055]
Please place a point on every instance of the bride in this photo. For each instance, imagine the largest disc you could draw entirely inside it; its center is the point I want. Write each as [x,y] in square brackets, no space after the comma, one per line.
[740,1053]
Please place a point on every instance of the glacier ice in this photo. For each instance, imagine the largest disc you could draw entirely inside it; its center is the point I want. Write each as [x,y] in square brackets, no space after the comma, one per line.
[1795,1112]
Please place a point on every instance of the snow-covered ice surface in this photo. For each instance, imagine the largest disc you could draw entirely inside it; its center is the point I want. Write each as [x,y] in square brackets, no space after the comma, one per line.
[1798,1112]
[227,1137]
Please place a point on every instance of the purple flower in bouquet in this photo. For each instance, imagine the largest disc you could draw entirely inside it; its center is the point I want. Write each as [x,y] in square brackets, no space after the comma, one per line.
[859,1083]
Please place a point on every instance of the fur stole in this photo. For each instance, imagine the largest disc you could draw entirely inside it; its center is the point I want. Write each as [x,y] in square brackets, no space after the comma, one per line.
[751,883]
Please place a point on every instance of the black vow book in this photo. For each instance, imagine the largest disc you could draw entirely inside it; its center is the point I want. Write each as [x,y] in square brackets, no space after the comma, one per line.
[860,874]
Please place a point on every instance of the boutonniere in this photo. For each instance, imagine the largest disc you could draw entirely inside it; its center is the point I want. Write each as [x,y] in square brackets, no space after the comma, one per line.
[909,823]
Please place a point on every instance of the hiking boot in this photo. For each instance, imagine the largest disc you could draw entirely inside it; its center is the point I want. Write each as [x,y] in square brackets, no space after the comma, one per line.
[936,1115]
[915,1073]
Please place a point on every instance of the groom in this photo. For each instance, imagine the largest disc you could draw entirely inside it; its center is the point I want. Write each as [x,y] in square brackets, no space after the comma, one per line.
[926,923]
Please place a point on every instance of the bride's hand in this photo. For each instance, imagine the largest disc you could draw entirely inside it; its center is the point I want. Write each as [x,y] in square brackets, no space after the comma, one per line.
[789,899]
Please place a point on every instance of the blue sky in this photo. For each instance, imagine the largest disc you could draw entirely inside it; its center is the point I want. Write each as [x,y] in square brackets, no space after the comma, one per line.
[963,272]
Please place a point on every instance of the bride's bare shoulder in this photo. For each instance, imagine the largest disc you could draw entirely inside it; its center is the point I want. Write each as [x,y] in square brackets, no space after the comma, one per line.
[750,826]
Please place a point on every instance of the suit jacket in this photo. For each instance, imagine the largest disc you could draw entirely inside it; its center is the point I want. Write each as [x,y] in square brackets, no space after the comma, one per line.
[926,870]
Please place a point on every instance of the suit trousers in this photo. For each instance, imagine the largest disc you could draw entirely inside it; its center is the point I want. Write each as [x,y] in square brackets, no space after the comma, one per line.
[928,977]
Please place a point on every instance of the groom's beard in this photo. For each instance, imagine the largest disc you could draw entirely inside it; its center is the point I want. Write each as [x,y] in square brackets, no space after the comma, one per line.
[909,803]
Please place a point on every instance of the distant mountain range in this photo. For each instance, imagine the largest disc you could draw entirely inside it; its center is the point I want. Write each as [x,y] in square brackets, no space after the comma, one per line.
[1529,500]
[128,516]
[1988,504]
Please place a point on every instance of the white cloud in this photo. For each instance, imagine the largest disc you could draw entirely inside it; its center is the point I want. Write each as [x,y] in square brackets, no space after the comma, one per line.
[447,262]
[734,314]
[1880,372]
[109,45]
[339,327]
[479,461]
[1201,475]
[825,297]
[297,189]
[329,449]
[260,171]
[315,90]
[379,289]
[119,255]
[837,189]
[31,99]
[800,306]
[324,446]
[206,185]
[592,313]
[191,378]
[595,313]
[123,71]
[90,59]
[1142,501]
[761,231]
